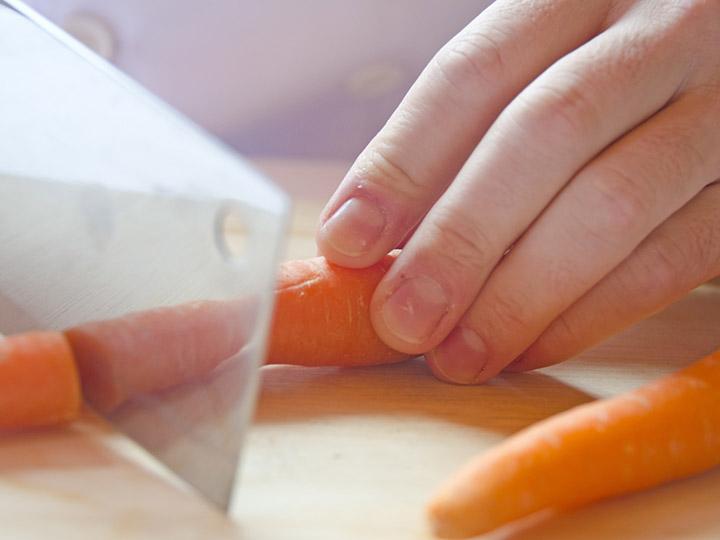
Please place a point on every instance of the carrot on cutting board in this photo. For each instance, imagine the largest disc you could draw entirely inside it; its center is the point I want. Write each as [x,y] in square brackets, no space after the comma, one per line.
[322,316]
[38,381]
[321,319]
[665,430]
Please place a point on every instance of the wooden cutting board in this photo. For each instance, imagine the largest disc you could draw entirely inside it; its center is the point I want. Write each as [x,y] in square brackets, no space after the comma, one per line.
[354,454]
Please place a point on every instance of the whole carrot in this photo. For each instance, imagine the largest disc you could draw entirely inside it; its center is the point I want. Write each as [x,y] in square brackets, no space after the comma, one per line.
[38,381]
[322,316]
[666,430]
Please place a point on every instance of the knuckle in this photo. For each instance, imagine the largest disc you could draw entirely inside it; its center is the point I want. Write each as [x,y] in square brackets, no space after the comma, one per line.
[568,112]
[561,332]
[376,167]
[689,23]
[460,243]
[698,251]
[671,152]
[560,273]
[676,258]
[561,336]
[506,314]
[620,201]
[684,161]
[470,60]
[664,266]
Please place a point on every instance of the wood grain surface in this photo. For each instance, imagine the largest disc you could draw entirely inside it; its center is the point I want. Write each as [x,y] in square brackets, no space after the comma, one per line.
[355,454]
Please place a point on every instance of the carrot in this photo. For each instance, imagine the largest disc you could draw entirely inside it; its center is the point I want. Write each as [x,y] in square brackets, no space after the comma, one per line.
[156,349]
[38,381]
[322,316]
[665,430]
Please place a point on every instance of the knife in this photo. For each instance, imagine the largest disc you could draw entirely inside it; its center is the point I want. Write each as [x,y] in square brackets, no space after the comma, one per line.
[112,203]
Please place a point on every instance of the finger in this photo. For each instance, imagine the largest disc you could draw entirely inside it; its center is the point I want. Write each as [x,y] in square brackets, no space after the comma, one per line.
[680,255]
[555,126]
[591,227]
[416,155]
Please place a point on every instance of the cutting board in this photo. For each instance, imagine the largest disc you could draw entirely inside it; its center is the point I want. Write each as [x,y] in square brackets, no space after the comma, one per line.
[354,454]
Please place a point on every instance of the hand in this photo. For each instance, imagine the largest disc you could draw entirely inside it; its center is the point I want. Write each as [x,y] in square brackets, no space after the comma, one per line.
[550,176]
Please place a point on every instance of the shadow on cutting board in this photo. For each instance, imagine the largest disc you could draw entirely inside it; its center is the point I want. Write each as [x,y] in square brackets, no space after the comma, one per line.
[504,405]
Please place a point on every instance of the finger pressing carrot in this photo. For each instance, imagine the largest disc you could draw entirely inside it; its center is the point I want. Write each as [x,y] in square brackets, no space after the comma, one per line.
[38,381]
[322,316]
[666,430]
[156,349]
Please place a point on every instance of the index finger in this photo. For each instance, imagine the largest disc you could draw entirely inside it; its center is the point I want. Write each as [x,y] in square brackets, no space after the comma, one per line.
[407,166]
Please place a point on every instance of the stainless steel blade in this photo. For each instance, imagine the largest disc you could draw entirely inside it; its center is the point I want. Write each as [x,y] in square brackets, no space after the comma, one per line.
[111,203]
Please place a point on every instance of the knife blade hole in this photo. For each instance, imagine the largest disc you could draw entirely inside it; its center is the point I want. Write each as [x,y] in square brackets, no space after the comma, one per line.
[232,234]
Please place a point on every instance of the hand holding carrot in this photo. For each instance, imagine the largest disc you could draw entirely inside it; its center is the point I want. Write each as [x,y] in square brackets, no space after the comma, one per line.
[552,178]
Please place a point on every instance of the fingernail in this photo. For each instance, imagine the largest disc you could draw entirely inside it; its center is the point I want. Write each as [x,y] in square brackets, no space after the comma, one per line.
[415,309]
[461,357]
[354,227]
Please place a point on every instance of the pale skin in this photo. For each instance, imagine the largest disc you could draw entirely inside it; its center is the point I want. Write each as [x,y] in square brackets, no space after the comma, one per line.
[551,178]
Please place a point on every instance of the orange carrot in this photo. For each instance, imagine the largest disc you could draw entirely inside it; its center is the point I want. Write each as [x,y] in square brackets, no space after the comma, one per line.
[322,316]
[665,430]
[156,349]
[38,381]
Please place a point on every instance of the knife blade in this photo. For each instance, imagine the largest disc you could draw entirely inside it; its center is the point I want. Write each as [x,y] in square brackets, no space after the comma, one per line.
[112,203]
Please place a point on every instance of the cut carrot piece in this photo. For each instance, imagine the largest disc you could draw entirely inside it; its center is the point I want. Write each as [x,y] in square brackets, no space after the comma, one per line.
[38,381]
[322,316]
[665,430]
[156,349]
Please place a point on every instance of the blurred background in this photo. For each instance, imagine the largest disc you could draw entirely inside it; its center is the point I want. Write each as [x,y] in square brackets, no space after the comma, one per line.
[310,80]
